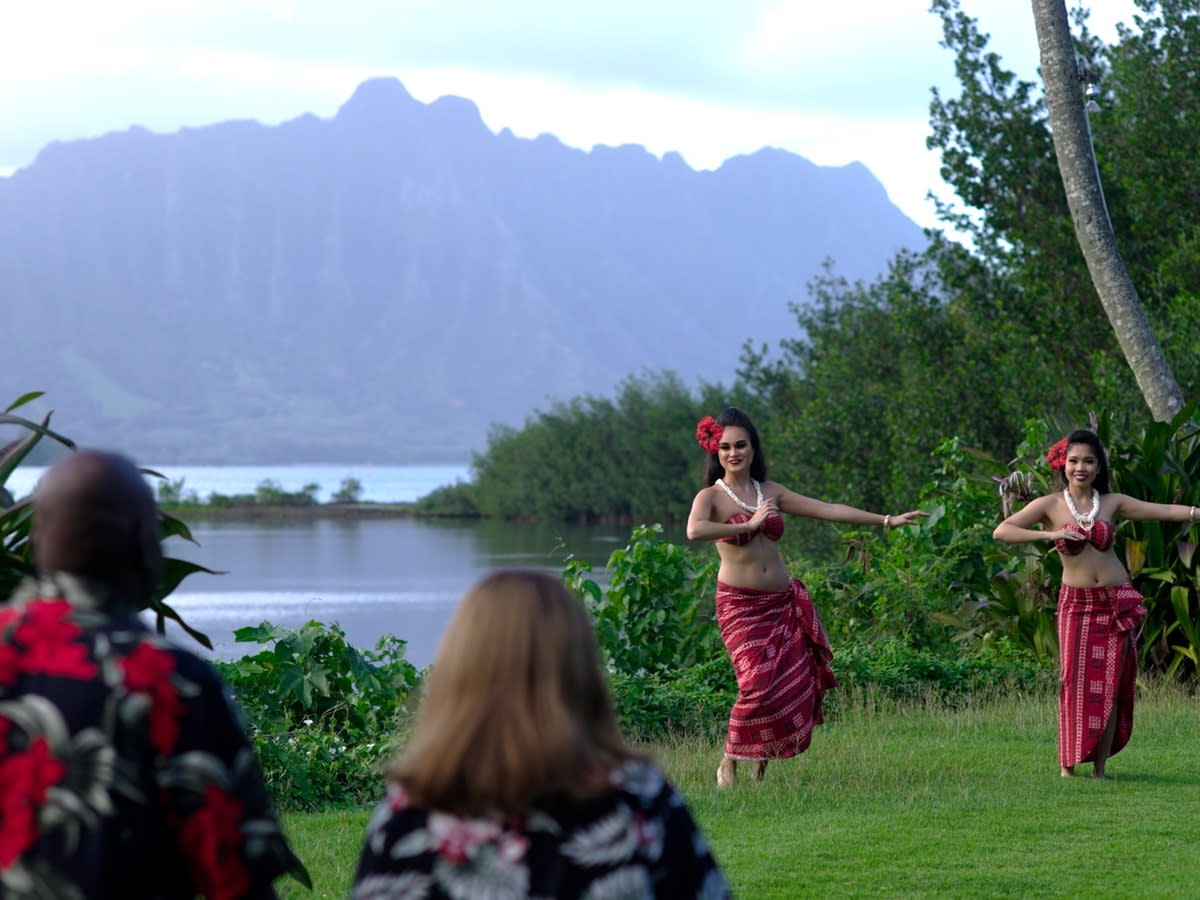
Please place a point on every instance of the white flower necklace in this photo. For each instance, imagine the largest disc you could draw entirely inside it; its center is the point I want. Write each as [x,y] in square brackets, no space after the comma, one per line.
[1088,519]
[739,501]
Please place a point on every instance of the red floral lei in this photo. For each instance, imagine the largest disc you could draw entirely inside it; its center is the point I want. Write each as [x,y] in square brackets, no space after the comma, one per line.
[708,434]
[1057,454]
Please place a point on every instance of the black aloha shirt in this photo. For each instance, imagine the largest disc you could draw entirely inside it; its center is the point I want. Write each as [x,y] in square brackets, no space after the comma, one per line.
[125,770]
[638,840]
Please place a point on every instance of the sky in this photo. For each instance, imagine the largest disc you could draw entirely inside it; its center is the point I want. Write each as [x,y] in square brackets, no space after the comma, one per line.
[835,83]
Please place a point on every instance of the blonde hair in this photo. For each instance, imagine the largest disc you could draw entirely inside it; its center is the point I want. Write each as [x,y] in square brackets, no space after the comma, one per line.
[516,705]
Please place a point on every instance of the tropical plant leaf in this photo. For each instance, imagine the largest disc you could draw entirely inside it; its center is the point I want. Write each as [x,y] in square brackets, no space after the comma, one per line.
[23,399]
[173,573]
[1186,551]
[42,429]
[171,526]
[14,453]
[164,611]
[1135,556]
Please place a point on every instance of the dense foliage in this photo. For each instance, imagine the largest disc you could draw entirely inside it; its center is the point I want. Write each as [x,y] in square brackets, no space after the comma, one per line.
[631,456]
[883,606]
[323,714]
[1163,467]
[268,492]
[655,614]
[938,610]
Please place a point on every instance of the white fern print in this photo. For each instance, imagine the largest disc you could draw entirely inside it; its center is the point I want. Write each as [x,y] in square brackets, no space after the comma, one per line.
[485,877]
[406,886]
[642,780]
[629,883]
[610,840]
[414,843]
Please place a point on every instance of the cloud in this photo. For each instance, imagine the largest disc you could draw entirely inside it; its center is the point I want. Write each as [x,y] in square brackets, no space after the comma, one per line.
[832,82]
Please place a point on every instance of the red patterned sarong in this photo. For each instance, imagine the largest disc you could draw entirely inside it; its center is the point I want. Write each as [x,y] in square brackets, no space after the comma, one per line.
[781,659]
[1097,664]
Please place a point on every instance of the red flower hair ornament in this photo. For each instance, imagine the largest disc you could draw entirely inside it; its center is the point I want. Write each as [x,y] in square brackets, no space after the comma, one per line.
[708,434]
[1057,454]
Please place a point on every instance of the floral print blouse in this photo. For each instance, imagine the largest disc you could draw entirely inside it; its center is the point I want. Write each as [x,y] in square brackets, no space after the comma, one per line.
[637,841]
[125,770]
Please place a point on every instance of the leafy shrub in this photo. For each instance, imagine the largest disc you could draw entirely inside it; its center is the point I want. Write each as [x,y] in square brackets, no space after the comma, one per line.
[456,500]
[271,493]
[669,672]
[897,671]
[690,701]
[1162,466]
[322,713]
[16,513]
[964,586]
[932,585]
[654,706]
[657,611]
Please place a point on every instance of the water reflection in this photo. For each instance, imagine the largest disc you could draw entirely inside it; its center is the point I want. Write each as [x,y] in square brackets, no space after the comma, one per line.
[371,576]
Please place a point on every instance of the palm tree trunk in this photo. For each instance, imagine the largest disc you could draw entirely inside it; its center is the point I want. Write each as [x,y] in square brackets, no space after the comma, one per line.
[1093,229]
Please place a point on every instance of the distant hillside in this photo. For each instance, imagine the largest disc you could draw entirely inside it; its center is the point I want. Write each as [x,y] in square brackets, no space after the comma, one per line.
[386,284]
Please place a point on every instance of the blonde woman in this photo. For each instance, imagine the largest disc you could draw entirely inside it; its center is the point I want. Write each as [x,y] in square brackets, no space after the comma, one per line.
[516,781]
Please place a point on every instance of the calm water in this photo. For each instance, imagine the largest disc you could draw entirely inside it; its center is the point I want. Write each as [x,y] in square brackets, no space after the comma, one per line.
[372,577]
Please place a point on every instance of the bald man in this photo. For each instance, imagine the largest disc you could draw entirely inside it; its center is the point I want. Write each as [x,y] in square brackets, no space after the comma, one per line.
[125,770]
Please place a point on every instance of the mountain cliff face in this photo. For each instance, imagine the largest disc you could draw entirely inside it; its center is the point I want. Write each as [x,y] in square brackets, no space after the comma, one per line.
[387,284]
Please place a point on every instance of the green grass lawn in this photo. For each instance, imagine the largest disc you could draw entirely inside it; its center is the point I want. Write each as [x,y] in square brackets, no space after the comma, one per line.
[922,802]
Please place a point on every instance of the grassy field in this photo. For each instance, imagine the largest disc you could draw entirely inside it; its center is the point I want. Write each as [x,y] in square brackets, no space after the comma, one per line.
[922,802]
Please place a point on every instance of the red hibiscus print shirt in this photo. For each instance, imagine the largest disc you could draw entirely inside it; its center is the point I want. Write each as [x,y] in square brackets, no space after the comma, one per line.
[125,770]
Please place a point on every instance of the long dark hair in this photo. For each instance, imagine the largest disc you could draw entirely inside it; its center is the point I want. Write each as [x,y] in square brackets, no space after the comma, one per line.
[1085,436]
[713,469]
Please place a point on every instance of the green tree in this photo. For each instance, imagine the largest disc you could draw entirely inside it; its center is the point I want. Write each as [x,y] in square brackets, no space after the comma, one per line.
[972,339]
[880,373]
[1147,140]
[628,457]
[349,492]
[1024,281]
[998,156]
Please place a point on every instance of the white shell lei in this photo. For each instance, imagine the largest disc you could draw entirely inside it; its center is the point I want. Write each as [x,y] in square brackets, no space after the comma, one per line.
[739,501]
[1088,519]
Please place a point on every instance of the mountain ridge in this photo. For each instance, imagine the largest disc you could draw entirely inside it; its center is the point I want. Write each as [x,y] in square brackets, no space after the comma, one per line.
[396,279]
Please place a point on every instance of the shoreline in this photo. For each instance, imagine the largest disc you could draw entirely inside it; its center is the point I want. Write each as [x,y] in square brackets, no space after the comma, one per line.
[264,511]
[282,512]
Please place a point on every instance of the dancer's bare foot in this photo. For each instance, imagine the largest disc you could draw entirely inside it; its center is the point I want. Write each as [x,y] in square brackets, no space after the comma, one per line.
[1067,771]
[726,772]
[760,769]
[1098,772]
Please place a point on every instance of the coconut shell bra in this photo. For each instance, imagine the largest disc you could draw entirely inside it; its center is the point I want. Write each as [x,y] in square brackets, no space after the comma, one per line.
[1101,537]
[772,527]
